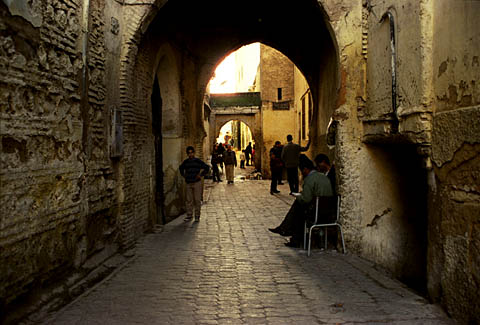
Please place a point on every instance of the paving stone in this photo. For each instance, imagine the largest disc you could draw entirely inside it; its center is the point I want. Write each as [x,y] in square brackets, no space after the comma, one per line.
[229,269]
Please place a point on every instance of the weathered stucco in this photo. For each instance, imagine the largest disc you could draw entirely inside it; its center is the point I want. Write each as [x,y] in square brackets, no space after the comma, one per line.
[454,240]
[456,55]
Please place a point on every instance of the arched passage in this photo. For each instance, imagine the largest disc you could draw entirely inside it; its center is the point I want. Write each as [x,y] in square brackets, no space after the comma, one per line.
[199,35]
[167,133]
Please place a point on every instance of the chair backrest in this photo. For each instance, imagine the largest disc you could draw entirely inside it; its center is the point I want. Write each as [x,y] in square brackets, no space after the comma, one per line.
[327,207]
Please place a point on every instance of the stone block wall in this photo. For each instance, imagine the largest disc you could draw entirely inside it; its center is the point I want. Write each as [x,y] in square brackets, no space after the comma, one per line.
[58,184]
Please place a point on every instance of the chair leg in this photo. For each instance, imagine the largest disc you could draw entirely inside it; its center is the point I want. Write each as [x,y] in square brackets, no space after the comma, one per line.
[309,241]
[305,236]
[341,235]
[326,238]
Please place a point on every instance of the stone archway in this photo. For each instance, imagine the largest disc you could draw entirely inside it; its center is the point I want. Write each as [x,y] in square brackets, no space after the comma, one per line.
[198,46]
[252,123]
[249,120]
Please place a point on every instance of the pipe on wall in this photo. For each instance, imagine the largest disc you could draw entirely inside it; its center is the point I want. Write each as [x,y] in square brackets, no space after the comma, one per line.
[393,62]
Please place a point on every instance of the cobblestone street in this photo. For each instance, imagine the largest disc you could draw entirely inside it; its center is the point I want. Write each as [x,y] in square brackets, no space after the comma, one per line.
[229,269]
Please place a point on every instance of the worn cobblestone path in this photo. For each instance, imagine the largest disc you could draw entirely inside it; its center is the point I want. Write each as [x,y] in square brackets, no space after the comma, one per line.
[229,269]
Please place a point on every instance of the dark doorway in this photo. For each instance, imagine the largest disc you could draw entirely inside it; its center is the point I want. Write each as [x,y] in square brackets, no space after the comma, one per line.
[157,134]
[405,182]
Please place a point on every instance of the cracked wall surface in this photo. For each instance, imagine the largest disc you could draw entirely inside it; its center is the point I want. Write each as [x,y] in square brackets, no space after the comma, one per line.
[438,113]
[454,258]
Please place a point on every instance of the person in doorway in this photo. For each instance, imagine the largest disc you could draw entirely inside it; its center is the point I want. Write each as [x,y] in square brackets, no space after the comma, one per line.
[242,159]
[276,167]
[192,169]
[323,166]
[216,160]
[290,156]
[252,159]
[248,153]
[314,184]
[221,150]
[230,161]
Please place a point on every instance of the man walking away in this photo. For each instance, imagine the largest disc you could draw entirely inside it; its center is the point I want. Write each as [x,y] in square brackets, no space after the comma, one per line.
[248,153]
[290,156]
[230,161]
[192,169]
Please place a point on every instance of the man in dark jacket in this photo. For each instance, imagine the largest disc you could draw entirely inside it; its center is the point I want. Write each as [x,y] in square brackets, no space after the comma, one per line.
[324,166]
[248,154]
[192,169]
[290,156]
[230,161]
[276,166]
[216,160]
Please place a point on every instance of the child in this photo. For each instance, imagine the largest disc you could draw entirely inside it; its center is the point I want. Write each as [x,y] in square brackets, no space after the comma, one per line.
[242,159]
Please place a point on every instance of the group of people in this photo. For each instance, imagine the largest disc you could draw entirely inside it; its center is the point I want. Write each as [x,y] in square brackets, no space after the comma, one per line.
[318,181]
[223,155]
[193,169]
[288,157]
[285,156]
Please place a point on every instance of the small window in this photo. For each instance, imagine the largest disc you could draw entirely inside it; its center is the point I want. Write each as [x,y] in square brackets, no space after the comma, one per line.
[279,94]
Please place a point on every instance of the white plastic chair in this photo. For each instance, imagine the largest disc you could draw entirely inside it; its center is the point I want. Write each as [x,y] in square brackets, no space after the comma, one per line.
[309,229]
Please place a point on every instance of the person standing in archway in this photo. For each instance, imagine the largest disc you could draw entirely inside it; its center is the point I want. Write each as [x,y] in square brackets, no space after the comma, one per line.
[192,169]
[290,156]
[216,160]
[276,166]
[230,161]
[221,150]
[248,153]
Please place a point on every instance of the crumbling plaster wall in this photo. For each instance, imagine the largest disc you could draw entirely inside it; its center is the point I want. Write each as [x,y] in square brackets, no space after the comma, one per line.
[393,219]
[345,17]
[58,183]
[454,236]
[411,67]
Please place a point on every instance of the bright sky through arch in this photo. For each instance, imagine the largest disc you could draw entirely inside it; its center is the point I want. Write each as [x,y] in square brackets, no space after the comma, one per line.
[236,73]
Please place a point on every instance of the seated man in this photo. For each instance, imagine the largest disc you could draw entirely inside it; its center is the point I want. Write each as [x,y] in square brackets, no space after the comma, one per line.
[324,166]
[314,184]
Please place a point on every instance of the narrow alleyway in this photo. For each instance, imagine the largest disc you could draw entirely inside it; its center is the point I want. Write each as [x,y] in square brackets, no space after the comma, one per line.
[229,269]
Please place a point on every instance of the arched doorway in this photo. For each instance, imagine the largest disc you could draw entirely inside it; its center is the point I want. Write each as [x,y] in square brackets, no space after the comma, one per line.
[236,133]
